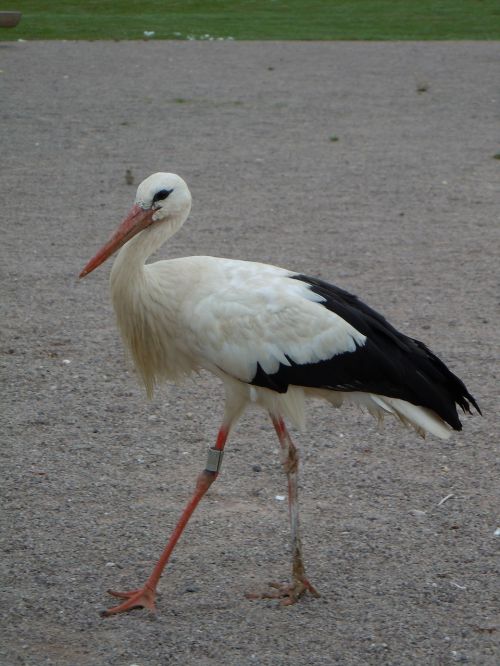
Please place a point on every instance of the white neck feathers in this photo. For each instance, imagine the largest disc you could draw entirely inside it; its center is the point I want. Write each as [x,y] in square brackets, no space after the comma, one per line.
[144,308]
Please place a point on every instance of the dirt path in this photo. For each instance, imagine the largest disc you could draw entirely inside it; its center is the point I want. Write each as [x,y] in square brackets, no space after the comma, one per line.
[370,165]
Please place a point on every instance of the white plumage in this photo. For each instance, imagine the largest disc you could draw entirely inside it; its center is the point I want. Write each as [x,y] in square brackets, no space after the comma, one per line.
[273,337]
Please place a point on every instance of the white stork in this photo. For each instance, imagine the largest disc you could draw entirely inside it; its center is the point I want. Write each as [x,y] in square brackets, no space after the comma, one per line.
[274,337]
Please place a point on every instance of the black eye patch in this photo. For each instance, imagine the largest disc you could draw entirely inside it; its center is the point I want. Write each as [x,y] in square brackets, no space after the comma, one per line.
[162,194]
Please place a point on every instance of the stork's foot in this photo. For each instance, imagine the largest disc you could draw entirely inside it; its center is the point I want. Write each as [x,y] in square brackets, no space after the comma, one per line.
[288,593]
[144,597]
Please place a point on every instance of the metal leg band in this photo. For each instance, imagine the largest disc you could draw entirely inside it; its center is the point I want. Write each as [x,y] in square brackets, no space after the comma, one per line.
[214,460]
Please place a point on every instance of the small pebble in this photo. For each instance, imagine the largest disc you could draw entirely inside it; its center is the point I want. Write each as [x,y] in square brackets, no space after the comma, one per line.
[256,468]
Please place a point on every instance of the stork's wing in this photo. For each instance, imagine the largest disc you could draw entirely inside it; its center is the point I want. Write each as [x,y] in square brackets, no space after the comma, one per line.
[288,329]
[260,320]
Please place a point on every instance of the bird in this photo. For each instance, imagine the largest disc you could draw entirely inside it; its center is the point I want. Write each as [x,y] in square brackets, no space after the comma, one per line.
[275,338]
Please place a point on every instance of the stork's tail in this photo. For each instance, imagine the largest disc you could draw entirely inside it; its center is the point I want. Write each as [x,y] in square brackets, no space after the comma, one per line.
[422,419]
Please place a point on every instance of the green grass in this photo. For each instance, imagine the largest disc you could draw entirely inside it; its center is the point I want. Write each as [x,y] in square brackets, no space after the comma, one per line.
[256,19]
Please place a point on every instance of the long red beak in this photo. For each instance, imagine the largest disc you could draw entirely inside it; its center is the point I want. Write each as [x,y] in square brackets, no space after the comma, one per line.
[137,220]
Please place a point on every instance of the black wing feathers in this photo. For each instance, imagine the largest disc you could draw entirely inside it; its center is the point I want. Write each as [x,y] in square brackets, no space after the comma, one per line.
[389,363]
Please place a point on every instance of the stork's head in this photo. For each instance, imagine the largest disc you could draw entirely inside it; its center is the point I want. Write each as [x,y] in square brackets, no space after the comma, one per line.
[161,198]
[163,195]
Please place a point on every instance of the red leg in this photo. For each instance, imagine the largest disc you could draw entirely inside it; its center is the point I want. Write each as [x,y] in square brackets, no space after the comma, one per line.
[290,593]
[144,597]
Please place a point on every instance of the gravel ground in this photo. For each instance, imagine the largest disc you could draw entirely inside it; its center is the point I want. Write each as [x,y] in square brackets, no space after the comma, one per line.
[370,165]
